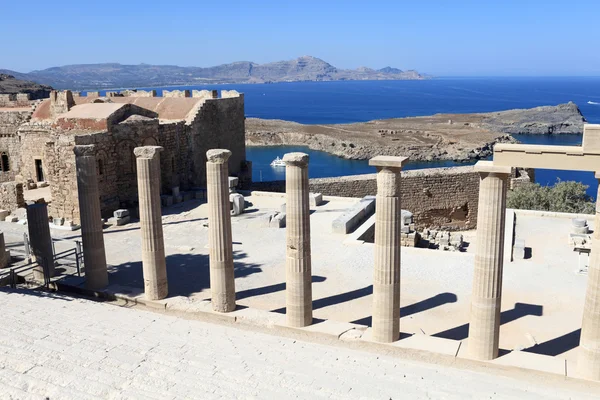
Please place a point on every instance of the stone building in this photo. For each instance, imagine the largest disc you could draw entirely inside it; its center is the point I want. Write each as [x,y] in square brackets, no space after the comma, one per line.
[37,140]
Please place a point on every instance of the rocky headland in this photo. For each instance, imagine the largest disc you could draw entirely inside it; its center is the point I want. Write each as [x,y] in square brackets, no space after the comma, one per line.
[456,137]
[11,85]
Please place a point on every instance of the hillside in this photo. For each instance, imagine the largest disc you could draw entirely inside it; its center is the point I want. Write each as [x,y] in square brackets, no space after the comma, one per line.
[307,68]
[9,84]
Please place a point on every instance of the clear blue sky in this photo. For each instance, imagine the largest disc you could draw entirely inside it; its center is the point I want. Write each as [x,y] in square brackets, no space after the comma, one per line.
[453,37]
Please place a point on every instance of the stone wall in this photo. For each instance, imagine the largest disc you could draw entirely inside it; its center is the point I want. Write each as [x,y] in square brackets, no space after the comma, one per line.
[11,196]
[9,141]
[437,197]
[220,123]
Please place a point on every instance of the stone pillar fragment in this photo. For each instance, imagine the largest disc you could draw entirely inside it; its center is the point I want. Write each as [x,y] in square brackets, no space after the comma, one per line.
[386,274]
[588,364]
[153,246]
[96,275]
[486,297]
[222,279]
[40,241]
[298,292]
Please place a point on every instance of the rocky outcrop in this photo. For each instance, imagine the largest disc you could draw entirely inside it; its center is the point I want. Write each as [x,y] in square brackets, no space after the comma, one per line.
[555,120]
[11,85]
[456,137]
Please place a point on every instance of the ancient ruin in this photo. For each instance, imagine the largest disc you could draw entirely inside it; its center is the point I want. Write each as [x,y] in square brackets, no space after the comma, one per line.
[37,140]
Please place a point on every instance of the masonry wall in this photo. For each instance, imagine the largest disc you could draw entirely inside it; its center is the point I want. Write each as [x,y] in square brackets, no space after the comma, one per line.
[11,196]
[220,123]
[437,197]
[9,140]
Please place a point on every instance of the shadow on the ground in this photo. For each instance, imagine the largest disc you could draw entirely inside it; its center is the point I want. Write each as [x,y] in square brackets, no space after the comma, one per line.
[558,345]
[244,294]
[187,273]
[423,305]
[38,292]
[518,311]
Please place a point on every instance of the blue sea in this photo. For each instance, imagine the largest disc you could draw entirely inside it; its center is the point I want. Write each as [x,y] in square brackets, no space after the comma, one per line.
[359,101]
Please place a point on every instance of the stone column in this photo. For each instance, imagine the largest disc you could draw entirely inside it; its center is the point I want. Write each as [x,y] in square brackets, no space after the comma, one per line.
[486,297]
[588,364]
[153,246]
[298,292]
[222,280]
[96,275]
[40,240]
[386,274]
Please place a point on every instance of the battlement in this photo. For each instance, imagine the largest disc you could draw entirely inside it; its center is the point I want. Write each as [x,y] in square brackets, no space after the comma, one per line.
[197,94]
[15,100]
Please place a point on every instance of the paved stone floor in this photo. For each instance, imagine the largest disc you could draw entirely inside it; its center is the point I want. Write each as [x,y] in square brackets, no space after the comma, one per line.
[542,300]
[58,347]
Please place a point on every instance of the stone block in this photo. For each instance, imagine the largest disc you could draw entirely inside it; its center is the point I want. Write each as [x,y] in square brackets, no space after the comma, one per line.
[166,200]
[115,221]
[315,199]
[3,215]
[121,213]
[58,221]
[177,199]
[187,196]
[354,216]
[13,218]
[519,249]
[175,191]
[233,182]
[238,203]
[200,195]
[42,184]
[278,221]
[283,208]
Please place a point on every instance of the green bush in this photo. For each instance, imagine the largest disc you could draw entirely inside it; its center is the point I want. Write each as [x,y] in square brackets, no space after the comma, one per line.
[564,196]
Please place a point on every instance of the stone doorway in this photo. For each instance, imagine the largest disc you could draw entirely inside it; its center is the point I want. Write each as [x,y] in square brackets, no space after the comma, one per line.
[39,171]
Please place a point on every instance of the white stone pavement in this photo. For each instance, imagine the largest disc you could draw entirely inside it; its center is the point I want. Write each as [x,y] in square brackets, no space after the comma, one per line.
[58,347]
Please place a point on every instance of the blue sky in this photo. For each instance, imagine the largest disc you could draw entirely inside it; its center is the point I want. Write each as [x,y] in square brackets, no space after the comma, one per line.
[444,38]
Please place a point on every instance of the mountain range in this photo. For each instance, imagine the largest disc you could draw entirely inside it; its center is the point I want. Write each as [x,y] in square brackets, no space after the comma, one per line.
[114,75]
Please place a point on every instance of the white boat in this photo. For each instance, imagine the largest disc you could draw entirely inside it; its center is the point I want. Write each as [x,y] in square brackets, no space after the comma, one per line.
[278,162]
[594,103]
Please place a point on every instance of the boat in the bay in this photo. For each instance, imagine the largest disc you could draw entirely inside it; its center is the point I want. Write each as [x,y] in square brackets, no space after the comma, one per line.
[277,162]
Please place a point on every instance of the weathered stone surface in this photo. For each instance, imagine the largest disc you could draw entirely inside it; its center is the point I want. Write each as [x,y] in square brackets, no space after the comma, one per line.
[121,213]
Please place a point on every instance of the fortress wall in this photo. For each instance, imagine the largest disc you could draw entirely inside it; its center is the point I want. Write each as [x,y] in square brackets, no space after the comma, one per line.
[220,123]
[11,196]
[9,141]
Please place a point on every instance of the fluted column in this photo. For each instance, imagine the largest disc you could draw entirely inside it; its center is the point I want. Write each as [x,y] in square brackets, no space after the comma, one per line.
[40,240]
[588,364]
[222,279]
[298,292]
[153,246]
[96,275]
[486,297]
[386,274]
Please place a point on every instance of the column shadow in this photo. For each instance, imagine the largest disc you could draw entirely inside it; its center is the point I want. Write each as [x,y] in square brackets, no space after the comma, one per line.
[518,311]
[187,273]
[558,345]
[415,308]
[244,294]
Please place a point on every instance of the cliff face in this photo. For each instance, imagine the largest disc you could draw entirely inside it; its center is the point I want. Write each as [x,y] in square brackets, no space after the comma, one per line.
[457,137]
[306,68]
[11,85]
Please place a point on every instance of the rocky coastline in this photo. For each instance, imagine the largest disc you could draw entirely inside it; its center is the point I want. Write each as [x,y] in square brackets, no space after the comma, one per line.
[453,137]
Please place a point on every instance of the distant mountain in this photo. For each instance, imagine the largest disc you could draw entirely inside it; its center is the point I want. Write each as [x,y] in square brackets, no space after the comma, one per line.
[307,68]
[11,85]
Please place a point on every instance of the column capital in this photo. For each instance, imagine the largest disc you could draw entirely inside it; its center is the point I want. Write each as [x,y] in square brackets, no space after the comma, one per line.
[488,167]
[84,150]
[388,162]
[147,151]
[218,156]
[296,159]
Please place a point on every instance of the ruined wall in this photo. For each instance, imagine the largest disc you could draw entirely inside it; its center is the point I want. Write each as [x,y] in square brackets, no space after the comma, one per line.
[174,159]
[59,168]
[220,123]
[11,196]
[9,141]
[438,197]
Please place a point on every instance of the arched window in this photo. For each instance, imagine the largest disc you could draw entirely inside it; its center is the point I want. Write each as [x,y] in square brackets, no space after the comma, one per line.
[5,163]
